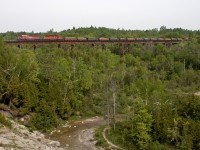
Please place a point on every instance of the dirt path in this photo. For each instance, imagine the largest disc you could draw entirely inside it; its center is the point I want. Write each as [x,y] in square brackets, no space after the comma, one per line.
[78,135]
[86,138]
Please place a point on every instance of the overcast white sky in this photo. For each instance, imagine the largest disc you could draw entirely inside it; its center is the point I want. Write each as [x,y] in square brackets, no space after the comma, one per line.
[43,15]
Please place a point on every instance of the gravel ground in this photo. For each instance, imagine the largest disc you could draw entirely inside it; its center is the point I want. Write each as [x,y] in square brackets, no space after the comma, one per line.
[20,138]
[78,135]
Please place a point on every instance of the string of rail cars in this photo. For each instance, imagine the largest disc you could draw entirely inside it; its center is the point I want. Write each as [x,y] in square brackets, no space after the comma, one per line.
[69,39]
[57,39]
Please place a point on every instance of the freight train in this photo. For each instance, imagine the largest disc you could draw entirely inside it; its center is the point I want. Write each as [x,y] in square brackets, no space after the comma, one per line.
[59,38]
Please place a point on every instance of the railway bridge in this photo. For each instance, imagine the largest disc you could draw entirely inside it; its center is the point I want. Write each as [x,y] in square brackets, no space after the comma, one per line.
[72,41]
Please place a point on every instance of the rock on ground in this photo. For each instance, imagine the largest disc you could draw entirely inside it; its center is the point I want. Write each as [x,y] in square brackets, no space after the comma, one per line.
[19,137]
[197,93]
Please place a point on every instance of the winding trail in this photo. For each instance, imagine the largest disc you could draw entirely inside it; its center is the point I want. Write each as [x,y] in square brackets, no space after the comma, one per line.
[78,135]
[110,143]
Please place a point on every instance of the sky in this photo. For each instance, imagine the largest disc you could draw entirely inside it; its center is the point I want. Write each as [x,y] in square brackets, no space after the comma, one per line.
[43,15]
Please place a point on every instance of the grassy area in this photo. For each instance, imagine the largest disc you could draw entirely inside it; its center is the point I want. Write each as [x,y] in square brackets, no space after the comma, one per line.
[117,139]
[99,137]
[4,121]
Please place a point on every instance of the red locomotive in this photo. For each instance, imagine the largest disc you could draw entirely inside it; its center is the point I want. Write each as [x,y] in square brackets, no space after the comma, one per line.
[28,37]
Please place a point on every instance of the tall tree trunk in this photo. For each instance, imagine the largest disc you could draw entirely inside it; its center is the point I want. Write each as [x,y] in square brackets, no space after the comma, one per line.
[114,98]
[66,86]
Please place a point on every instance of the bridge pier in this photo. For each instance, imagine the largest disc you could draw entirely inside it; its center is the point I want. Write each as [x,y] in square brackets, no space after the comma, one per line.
[64,47]
[124,48]
[103,46]
[128,47]
[59,45]
[34,47]
[72,46]
[168,44]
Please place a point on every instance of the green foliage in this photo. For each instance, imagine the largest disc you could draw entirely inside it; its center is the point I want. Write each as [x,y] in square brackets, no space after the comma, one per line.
[135,132]
[152,86]
[1,42]
[99,137]
[45,119]
[4,121]
[64,109]
[142,123]
[189,106]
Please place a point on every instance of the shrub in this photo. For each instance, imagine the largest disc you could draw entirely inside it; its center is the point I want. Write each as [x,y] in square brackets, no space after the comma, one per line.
[4,121]
[45,119]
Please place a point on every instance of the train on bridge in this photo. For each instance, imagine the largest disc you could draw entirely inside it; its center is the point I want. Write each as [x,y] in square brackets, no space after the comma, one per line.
[58,38]
[60,41]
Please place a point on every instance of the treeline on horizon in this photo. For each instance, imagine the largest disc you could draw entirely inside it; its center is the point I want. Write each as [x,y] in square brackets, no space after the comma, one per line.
[163,32]
[152,86]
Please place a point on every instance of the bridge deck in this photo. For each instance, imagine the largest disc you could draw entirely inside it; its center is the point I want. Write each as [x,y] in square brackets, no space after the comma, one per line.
[98,42]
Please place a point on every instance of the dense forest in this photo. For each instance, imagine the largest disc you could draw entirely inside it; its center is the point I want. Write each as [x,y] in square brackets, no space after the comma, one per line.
[152,86]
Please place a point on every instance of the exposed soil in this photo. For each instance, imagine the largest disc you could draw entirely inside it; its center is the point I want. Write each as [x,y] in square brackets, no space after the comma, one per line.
[78,135]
